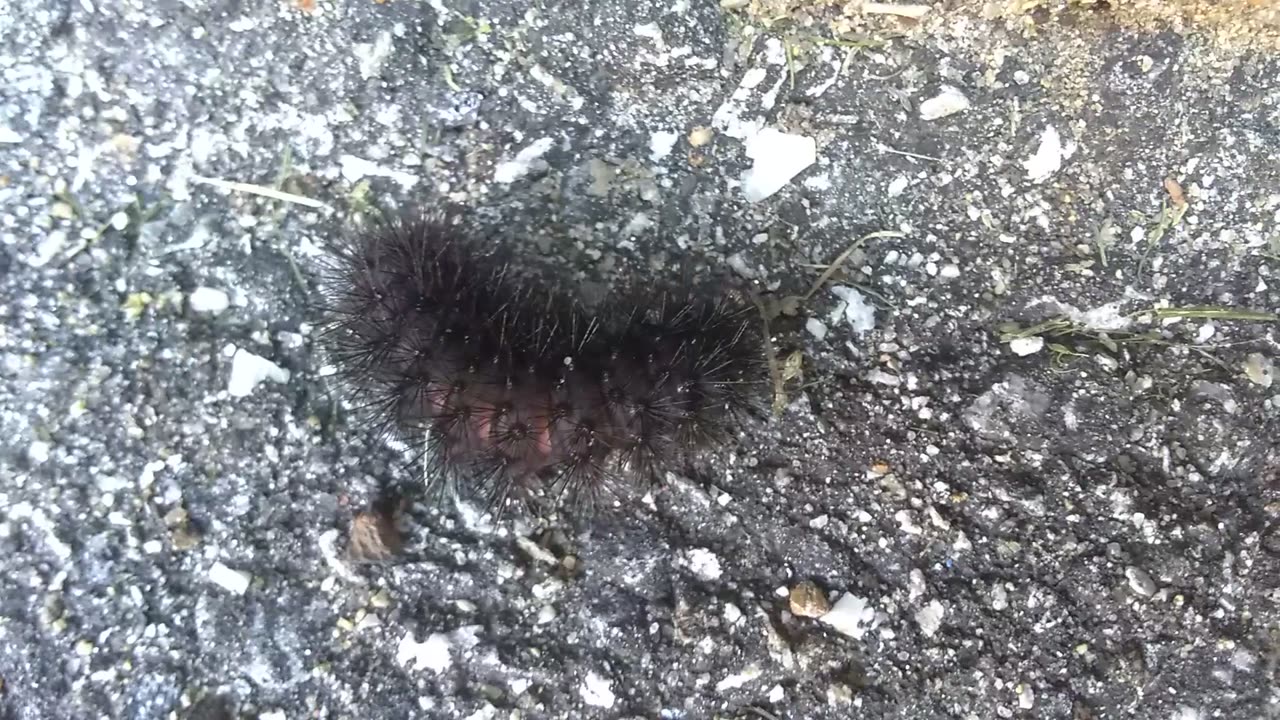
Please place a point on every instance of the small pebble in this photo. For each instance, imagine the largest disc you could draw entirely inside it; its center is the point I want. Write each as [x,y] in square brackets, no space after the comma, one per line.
[703,563]
[851,616]
[929,618]
[232,580]
[38,452]
[1026,346]
[208,300]
[374,537]
[700,136]
[808,600]
[947,102]
[597,691]
[1139,581]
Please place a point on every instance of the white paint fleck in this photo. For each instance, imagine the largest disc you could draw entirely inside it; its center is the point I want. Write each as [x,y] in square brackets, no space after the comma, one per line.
[373,56]
[661,143]
[929,618]
[649,30]
[704,563]
[1048,157]
[208,300]
[234,581]
[597,691]
[778,157]
[728,117]
[8,136]
[38,452]
[851,616]
[432,654]
[48,248]
[821,88]
[1025,346]
[854,310]
[821,181]
[511,170]
[948,101]
[328,542]
[774,52]
[736,680]
[355,169]
[249,370]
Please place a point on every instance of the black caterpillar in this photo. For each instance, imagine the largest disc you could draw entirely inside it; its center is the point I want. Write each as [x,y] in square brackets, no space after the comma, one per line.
[514,389]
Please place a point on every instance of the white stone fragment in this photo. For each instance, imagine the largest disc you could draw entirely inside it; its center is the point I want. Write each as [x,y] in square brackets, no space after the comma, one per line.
[1260,369]
[929,618]
[897,185]
[661,143]
[597,691]
[1026,698]
[38,452]
[737,680]
[355,169]
[208,300]
[511,170]
[1205,332]
[1048,157]
[816,328]
[234,581]
[704,563]
[373,56]
[851,616]
[1025,346]
[249,370]
[48,248]
[778,157]
[8,136]
[432,654]
[854,309]
[948,101]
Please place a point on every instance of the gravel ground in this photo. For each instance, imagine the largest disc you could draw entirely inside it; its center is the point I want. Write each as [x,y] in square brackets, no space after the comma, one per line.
[1032,482]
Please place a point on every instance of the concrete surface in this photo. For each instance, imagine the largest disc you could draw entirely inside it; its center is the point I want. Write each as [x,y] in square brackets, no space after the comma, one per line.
[1086,530]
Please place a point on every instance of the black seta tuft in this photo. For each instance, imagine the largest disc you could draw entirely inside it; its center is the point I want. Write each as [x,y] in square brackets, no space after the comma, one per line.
[511,390]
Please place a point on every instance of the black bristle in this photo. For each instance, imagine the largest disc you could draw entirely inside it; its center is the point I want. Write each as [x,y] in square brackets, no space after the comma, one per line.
[512,390]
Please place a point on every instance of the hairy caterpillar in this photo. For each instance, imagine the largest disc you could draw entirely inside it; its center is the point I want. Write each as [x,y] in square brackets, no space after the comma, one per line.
[513,389]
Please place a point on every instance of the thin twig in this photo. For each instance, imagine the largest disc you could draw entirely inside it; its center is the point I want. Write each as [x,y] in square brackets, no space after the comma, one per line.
[771,356]
[258,190]
[918,156]
[836,264]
